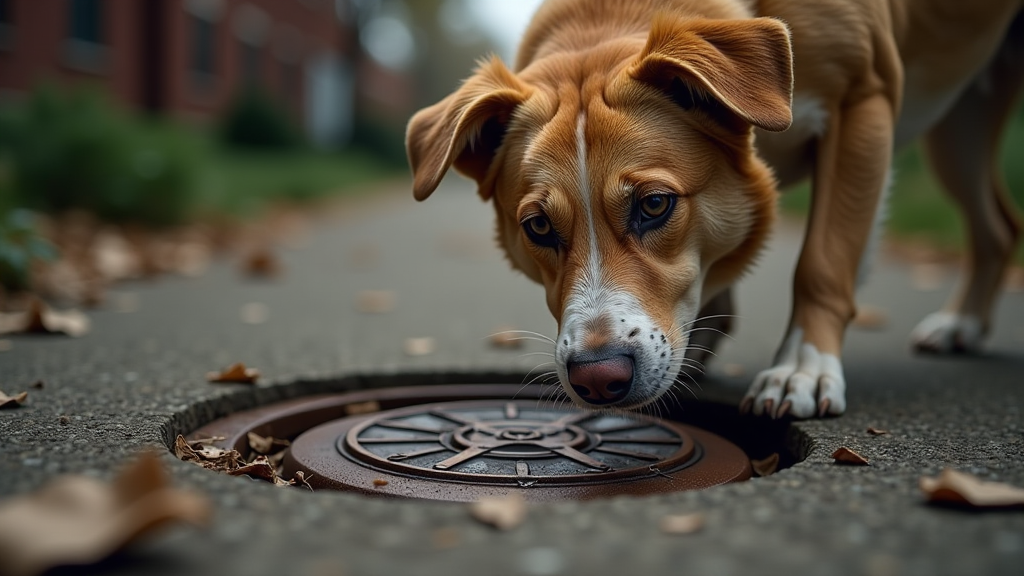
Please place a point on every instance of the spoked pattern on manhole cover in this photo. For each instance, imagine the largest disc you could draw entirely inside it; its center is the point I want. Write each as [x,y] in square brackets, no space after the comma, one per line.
[466,450]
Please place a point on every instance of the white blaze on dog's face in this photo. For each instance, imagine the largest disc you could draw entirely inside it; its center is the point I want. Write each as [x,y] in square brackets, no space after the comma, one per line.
[622,189]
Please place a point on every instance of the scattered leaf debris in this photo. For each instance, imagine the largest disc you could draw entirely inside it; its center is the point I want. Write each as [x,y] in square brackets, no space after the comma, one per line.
[41,319]
[380,482]
[870,317]
[368,407]
[507,337]
[259,468]
[77,520]
[419,346]
[38,385]
[261,263]
[236,373]
[12,401]
[954,487]
[876,431]
[767,466]
[209,457]
[266,444]
[376,301]
[846,456]
[681,523]
[504,513]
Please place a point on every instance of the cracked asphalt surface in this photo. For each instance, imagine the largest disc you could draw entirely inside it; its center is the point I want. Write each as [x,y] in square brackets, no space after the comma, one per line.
[137,379]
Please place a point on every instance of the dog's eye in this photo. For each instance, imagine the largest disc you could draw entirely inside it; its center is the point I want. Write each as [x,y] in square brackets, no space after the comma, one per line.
[652,211]
[541,232]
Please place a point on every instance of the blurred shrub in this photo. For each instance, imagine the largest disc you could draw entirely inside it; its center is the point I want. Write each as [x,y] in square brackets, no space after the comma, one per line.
[254,120]
[20,244]
[72,149]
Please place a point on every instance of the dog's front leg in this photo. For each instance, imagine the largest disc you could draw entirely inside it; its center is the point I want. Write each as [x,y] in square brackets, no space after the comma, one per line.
[853,158]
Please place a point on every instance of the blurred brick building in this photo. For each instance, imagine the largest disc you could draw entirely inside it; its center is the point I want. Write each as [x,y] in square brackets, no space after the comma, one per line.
[188,58]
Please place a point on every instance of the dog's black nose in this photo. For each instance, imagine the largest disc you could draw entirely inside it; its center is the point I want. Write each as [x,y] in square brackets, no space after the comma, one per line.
[602,382]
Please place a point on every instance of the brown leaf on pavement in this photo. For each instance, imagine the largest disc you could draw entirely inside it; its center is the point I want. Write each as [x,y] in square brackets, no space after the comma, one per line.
[300,480]
[681,523]
[376,301]
[40,319]
[766,467]
[12,401]
[266,444]
[209,457]
[956,487]
[259,468]
[236,373]
[77,520]
[504,513]
[876,431]
[261,263]
[846,456]
[380,482]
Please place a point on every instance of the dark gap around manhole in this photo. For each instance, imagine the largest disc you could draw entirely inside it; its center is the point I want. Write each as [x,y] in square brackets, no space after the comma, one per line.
[429,438]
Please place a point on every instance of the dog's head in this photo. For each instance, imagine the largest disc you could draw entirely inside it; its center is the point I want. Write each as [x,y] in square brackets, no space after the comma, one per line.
[625,181]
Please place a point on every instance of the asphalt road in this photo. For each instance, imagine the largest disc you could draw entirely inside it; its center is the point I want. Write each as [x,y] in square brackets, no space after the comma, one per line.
[138,378]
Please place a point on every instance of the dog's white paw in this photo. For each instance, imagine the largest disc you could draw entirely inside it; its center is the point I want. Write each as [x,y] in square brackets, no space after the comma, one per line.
[946,332]
[803,383]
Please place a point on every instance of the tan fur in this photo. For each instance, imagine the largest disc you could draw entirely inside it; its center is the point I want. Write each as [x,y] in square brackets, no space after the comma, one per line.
[614,67]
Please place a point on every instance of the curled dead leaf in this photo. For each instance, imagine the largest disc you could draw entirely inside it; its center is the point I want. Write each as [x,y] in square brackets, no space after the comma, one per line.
[40,319]
[504,513]
[681,523]
[876,431]
[376,301]
[77,520]
[12,401]
[380,482]
[260,468]
[266,444]
[846,456]
[767,466]
[209,457]
[956,487]
[261,263]
[419,346]
[236,373]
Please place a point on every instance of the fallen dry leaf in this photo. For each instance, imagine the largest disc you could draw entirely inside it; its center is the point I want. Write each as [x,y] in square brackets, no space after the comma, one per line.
[846,456]
[681,523]
[876,431]
[236,373]
[766,467]
[870,317]
[301,480]
[379,482]
[260,468]
[376,301]
[507,337]
[503,513]
[419,346]
[40,319]
[261,263]
[956,487]
[266,444]
[12,401]
[77,520]
[368,407]
[209,457]
[255,313]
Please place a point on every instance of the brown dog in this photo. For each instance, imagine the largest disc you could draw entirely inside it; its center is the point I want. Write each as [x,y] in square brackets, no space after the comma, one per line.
[633,156]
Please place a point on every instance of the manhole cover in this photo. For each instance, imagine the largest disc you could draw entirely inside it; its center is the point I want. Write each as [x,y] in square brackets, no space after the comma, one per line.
[461,450]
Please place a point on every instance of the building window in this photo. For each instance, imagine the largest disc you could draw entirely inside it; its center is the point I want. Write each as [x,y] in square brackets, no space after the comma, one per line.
[85,21]
[84,48]
[204,61]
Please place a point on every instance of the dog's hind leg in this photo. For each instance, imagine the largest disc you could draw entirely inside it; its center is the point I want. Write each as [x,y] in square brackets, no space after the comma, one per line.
[963,149]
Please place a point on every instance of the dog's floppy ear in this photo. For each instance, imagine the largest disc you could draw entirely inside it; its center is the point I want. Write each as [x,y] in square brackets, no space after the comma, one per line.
[745,66]
[465,129]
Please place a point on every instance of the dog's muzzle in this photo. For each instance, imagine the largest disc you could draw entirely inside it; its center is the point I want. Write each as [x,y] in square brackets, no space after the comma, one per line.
[602,382]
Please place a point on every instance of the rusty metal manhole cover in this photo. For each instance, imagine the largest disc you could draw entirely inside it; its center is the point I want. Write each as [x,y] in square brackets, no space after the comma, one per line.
[461,450]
